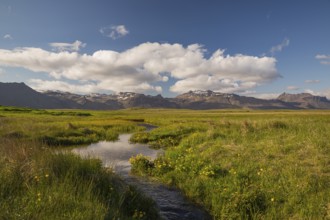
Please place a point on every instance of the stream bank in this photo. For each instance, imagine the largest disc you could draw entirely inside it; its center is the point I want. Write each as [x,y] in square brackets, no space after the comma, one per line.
[171,203]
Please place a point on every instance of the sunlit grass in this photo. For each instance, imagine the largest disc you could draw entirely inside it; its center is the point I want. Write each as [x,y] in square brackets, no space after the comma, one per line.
[246,165]
[37,182]
[238,164]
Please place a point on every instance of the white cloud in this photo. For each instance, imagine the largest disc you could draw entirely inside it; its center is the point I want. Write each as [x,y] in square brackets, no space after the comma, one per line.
[263,95]
[38,60]
[215,83]
[165,78]
[7,37]
[114,31]
[90,87]
[319,56]
[280,47]
[2,71]
[224,73]
[129,86]
[325,92]
[138,68]
[310,81]
[292,88]
[75,46]
[324,59]
[44,85]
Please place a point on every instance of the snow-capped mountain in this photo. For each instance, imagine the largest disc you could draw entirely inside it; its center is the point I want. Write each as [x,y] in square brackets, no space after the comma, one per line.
[19,94]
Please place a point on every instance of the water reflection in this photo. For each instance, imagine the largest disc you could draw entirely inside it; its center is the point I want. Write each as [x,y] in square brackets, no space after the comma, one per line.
[116,154]
[171,203]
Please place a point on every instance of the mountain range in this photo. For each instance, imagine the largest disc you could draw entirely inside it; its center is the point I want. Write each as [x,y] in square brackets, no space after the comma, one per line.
[20,95]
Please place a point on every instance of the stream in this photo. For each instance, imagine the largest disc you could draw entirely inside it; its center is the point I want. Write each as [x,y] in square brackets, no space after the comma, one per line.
[170,202]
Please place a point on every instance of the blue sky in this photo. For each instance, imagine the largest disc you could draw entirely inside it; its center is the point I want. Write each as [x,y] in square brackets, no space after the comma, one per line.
[255,48]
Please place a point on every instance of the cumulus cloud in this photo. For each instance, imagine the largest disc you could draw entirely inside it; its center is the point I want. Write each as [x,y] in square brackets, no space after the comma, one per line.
[225,73]
[324,59]
[215,83]
[44,85]
[263,95]
[325,92]
[292,88]
[280,47]
[311,81]
[114,31]
[139,68]
[38,60]
[91,87]
[165,78]
[75,46]
[7,37]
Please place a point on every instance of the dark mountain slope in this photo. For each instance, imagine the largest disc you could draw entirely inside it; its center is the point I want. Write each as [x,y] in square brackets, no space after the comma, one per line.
[305,100]
[20,95]
[92,101]
[213,100]
[131,100]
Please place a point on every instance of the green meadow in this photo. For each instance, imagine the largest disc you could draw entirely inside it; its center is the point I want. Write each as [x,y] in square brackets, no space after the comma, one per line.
[237,164]
[37,181]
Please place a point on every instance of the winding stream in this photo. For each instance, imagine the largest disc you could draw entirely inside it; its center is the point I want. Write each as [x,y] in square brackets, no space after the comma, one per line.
[170,202]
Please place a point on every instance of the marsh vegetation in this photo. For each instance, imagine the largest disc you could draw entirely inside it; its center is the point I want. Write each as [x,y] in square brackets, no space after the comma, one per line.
[236,164]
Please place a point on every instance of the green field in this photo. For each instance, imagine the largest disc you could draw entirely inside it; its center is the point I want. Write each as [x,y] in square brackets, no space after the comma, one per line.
[237,164]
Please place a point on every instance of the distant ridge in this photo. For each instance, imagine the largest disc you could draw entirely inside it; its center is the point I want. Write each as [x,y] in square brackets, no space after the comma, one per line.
[200,99]
[305,100]
[20,95]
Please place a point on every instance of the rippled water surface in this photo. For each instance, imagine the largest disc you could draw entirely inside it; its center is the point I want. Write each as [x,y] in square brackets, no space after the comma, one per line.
[171,203]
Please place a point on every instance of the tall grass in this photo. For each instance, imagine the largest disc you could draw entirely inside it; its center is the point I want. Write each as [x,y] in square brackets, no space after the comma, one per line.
[255,165]
[62,128]
[37,183]
[237,164]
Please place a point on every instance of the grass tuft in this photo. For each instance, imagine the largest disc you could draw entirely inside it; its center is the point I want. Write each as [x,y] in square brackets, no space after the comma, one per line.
[39,184]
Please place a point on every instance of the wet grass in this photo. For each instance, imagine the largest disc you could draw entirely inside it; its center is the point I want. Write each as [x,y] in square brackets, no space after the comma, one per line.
[37,182]
[237,164]
[62,128]
[245,165]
